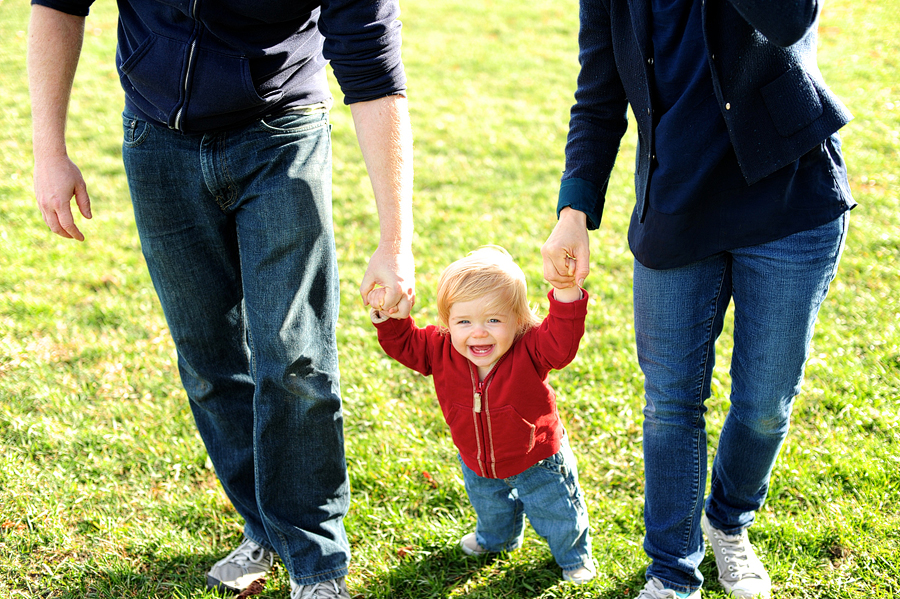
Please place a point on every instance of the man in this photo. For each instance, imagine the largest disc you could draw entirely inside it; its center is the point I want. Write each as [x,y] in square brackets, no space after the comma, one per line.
[228,158]
[742,194]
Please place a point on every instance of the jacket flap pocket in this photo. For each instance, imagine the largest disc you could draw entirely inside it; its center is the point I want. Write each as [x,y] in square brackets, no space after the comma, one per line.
[793,102]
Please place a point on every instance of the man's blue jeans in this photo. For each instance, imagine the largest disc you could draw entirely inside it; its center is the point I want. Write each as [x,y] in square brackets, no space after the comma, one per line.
[549,494]
[777,290]
[237,233]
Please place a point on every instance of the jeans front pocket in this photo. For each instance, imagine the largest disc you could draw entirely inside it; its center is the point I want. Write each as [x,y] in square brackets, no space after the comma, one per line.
[134,130]
[294,122]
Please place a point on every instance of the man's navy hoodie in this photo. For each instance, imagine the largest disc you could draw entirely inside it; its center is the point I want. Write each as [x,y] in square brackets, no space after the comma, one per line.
[203,65]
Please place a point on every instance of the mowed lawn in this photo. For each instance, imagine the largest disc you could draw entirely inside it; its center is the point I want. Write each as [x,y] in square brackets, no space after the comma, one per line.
[106,490]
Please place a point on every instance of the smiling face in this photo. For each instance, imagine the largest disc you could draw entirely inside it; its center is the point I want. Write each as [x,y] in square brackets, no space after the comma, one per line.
[481,332]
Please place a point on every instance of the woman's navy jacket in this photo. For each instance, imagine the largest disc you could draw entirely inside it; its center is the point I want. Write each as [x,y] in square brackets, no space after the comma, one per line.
[762,55]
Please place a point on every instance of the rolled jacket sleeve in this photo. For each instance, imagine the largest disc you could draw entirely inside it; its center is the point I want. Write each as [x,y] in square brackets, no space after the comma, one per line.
[362,42]
[70,7]
[584,196]
[598,119]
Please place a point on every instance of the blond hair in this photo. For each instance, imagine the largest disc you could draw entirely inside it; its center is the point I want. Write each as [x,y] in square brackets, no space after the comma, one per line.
[488,272]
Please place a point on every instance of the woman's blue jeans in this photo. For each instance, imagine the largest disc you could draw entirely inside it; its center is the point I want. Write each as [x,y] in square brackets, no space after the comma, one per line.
[236,230]
[777,289]
[549,494]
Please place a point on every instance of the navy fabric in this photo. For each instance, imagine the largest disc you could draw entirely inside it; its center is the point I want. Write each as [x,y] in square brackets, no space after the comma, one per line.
[693,152]
[737,139]
[199,66]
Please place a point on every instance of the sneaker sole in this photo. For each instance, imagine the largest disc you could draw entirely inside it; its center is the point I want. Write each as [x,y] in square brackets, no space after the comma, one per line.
[214,584]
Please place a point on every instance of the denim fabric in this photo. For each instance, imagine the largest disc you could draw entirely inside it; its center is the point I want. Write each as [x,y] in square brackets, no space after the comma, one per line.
[237,234]
[548,493]
[777,290]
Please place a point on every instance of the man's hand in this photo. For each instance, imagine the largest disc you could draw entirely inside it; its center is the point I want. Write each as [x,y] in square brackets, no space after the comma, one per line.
[390,283]
[56,182]
[54,45]
[567,251]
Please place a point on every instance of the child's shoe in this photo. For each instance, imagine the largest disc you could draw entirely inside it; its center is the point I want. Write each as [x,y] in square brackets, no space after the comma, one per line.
[579,575]
[470,546]
[654,589]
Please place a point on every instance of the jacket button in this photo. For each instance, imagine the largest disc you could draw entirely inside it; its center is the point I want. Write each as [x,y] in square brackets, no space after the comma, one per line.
[650,60]
[727,105]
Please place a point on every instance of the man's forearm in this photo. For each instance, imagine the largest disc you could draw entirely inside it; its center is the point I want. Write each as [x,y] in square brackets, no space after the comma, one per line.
[54,45]
[385,138]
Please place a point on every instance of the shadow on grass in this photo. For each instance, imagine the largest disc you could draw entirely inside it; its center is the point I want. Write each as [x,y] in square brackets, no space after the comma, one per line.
[148,576]
[436,573]
[432,573]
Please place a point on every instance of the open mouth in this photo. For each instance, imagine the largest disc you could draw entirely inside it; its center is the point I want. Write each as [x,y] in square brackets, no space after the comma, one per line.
[481,350]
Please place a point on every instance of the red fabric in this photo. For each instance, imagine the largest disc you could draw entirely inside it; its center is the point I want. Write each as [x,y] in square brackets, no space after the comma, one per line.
[518,424]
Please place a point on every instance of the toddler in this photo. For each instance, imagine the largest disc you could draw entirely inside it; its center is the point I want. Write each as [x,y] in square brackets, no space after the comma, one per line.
[490,360]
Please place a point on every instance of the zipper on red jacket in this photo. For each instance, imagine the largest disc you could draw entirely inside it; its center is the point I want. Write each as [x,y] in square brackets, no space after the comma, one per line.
[479,407]
[478,389]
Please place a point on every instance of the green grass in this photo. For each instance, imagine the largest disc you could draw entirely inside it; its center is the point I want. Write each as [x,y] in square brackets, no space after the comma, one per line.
[105,488]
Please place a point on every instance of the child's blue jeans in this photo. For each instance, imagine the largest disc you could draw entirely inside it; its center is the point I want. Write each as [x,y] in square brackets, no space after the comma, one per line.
[548,493]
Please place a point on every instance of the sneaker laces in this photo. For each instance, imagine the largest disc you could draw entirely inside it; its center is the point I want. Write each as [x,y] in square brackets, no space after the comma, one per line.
[329,589]
[738,553]
[248,552]
[654,589]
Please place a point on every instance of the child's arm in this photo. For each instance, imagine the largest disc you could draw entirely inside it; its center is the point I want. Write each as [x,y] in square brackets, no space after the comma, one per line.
[555,341]
[567,295]
[402,340]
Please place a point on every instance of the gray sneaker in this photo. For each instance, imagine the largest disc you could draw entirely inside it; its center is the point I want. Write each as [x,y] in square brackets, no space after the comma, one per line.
[654,589]
[330,589]
[741,573]
[237,570]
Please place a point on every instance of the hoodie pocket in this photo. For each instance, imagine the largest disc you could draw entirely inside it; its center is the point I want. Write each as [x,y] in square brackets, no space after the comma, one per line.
[221,84]
[152,75]
[164,75]
[511,436]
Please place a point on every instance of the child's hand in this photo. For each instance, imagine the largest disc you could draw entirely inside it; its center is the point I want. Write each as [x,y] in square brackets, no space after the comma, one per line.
[571,294]
[378,316]
[375,299]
